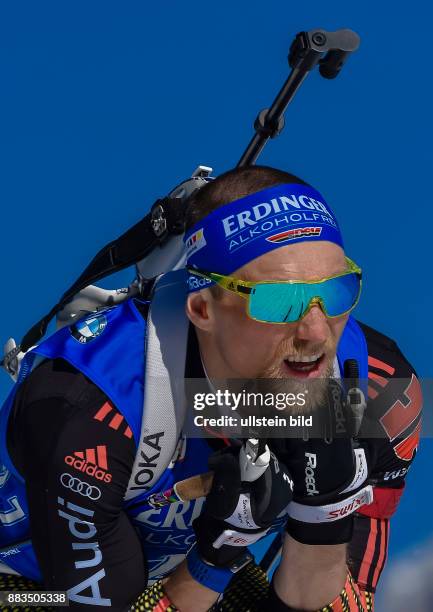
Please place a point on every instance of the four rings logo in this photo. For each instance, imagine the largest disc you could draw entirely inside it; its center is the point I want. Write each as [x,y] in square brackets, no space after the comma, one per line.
[79,486]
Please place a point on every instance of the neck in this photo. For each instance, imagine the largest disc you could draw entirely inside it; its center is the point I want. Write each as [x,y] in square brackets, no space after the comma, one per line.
[214,363]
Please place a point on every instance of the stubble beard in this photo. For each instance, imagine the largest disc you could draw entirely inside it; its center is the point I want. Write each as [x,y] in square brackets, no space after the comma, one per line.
[314,391]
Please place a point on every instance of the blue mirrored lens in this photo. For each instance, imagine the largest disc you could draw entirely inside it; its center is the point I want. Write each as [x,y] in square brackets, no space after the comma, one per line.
[286,303]
[340,294]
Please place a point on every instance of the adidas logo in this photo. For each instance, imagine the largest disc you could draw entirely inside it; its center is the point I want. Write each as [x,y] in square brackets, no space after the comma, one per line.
[92,461]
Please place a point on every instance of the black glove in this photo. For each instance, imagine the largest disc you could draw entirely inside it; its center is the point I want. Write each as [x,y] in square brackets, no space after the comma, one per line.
[329,475]
[237,514]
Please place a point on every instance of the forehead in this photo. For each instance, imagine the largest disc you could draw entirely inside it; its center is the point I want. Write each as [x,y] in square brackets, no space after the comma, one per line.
[300,261]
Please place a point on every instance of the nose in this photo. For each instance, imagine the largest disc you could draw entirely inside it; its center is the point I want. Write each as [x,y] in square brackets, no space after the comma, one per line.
[314,326]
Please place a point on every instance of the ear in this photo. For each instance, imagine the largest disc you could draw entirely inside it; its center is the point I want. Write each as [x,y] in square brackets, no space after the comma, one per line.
[198,309]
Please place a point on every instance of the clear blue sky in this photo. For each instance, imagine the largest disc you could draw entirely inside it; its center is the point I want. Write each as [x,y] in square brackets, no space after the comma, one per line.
[107,105]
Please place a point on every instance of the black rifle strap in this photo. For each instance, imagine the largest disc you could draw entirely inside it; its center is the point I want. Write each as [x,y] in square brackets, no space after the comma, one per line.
[166,217]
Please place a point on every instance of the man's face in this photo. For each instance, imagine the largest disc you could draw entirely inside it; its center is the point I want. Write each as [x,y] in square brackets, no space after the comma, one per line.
[235,346]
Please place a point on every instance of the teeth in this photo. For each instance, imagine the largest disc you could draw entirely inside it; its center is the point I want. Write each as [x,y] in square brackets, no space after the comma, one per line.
[304,359]
[305,368]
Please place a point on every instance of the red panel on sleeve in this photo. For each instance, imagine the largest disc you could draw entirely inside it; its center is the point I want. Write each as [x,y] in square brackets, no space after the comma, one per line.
[385,502]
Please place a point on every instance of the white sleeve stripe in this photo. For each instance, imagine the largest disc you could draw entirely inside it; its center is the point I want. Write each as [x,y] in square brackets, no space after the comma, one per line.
[331,512]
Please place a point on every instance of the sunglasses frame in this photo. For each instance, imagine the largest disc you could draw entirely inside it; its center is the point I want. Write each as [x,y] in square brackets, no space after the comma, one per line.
[244,289]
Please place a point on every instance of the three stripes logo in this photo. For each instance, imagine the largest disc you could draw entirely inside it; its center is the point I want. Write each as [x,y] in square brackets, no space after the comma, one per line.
[92,461]
[377,381]
[114,421]
[403,416]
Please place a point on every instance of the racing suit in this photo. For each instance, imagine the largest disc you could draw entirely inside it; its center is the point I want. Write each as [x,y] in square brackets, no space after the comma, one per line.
[103,551]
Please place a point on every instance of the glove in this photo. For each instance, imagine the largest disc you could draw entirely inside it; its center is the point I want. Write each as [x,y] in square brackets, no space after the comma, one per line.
[329,475]
[237,514]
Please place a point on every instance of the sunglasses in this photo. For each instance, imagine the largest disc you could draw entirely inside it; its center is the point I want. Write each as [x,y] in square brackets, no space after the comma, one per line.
[289,301]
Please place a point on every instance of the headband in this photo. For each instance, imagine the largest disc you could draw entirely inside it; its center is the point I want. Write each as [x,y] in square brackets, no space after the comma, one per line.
[238,232]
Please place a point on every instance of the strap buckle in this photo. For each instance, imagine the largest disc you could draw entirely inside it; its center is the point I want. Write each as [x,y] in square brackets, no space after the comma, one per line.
[158,220]
[12,358]
[241,562]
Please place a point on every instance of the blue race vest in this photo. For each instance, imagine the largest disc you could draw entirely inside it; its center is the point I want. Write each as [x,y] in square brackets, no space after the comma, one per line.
[109,349]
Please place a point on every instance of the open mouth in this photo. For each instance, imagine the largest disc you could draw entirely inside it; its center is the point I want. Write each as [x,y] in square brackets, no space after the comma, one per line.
[304,367]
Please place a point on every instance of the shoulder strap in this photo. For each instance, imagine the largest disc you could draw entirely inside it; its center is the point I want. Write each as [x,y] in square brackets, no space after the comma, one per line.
[164,406]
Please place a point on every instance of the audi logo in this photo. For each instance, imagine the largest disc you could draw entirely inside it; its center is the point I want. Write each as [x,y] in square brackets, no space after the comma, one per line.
[78,486]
